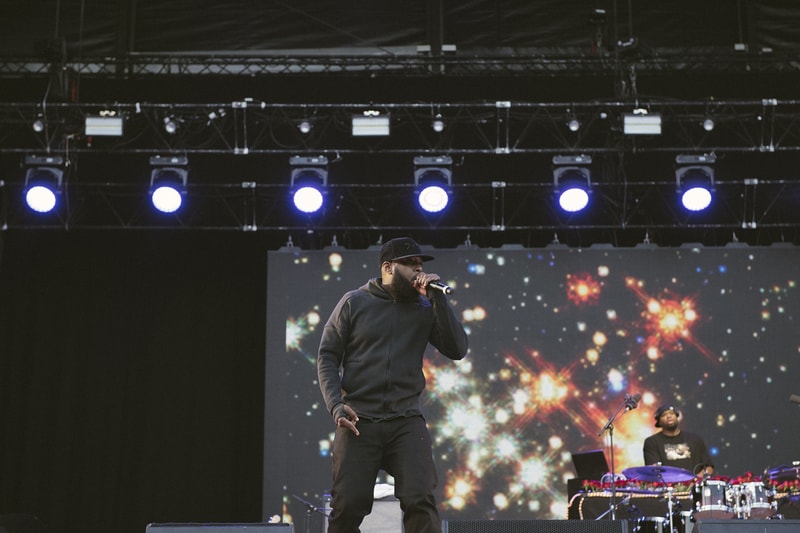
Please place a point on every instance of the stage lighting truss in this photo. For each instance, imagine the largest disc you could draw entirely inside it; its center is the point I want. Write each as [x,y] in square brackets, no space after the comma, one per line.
[572,181]
[44,177]
[694,178]
[168,179]
[432,181]
[309,179]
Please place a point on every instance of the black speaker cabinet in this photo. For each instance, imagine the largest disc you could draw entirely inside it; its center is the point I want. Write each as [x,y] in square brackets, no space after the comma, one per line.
[219,528]
[746,526]
[534,526]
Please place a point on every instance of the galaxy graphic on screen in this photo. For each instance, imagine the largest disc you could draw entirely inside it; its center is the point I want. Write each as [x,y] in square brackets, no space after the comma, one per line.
[558,338]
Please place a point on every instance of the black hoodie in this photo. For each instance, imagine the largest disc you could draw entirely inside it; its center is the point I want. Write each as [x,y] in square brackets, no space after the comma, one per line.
[379,343]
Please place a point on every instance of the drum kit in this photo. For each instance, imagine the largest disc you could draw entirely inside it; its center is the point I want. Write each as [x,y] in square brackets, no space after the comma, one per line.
[711,498]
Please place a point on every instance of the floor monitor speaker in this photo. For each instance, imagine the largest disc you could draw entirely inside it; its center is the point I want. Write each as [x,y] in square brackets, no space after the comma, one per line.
[175,527]
[535,526]
[746,526]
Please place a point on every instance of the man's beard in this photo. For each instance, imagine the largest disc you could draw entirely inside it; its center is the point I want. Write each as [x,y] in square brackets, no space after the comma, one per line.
[670,426]
[402,289]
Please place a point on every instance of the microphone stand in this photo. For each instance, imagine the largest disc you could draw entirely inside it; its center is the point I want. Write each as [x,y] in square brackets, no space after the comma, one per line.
[310,508]
[609,426]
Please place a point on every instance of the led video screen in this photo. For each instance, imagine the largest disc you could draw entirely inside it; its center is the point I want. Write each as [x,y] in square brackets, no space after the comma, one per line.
[558,336]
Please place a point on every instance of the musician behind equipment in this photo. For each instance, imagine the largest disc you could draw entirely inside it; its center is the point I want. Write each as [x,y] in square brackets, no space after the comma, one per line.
[674,447]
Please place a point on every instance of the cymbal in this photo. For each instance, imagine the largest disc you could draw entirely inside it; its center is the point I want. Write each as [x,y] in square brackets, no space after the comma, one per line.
[784,473]
[668,474]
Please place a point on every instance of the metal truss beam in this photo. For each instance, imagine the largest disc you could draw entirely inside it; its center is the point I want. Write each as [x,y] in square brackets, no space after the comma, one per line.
[410,62]
[502,186]
[742,206]
[255,127]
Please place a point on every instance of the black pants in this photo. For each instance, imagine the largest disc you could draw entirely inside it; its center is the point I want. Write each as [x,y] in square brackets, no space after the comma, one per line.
[402,448]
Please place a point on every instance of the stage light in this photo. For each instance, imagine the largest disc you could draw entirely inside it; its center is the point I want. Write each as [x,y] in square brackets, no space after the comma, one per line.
[708,124]
[304,126]
[370,123]
[309,179]
[432,180]
[641,122]
[598,17]
[44,178]
[437,123]
[574,124]
[628,47]
[572,181]
[168,179]
[170,125]
[108,125]
[694,178]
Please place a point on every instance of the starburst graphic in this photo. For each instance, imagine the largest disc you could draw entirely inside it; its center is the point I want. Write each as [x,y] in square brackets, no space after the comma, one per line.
[668,322]
[296,331]
[583,289]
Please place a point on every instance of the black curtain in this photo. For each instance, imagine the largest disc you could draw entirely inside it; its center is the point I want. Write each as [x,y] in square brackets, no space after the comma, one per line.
[131,378]
[105,29]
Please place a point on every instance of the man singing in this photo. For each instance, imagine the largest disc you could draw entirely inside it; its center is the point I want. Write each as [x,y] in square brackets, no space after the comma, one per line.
[370,374]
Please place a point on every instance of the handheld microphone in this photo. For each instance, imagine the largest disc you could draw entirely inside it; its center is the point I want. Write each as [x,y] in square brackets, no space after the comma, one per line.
[794,398]
[631,402]
[439,286]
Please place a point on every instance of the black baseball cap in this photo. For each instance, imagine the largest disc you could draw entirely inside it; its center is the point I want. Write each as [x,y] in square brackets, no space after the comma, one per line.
[663,409]
[402,248]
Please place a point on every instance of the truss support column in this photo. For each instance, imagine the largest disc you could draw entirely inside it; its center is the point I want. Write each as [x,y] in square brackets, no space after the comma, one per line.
[498,206]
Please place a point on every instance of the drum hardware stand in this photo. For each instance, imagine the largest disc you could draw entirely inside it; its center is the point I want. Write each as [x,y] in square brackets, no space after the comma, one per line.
[625,501]
[310,509]
[628,404]
[670,509]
